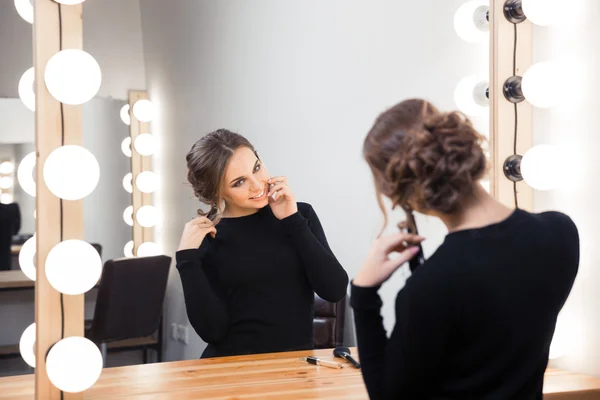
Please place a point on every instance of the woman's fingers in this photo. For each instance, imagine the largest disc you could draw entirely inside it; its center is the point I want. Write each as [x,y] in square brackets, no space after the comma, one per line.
[399,240]
[406,255]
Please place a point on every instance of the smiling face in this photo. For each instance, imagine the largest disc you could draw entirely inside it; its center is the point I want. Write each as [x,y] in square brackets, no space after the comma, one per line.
[245,184]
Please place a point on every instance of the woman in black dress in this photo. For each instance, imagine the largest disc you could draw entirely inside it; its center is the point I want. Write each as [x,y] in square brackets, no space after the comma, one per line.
[476,320]
[251,265]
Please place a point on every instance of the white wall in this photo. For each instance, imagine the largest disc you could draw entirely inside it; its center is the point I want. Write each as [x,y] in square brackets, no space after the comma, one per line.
[111,33]
[303,80]
[103,132]
[573,125]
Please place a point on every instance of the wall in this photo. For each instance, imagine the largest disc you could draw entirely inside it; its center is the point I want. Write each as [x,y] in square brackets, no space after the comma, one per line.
[303,80]
[574,44]
[103,132]
[111,33]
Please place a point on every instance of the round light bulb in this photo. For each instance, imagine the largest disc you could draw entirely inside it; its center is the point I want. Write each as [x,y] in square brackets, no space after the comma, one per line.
[128,182]
[148,249]
[7,167]
[72,76]
[128,215]
[73,267]
[25,173]
[145,144]
[125,117]
[128,249]
[6,182]
[27,258]
[541,167]
[26,93]
[543,12]
[6,198]
[27,345]
[71,172]
[126,146]
[143,110]
[539,85]
[74,364]
[25,10]
[471,21]
[470,95]
[69,2]
[146,182]
[147,216]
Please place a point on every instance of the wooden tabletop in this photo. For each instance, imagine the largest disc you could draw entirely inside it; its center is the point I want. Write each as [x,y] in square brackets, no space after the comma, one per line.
[15,279]
[264,376]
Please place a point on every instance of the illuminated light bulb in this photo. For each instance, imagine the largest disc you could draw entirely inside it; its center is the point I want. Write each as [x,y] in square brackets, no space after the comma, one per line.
[74,364]
[25,173]
[126,146]
[6,182]
[7,167]
[128,182]
[146,182]
[125,117]
[128,249]
[542,168]
[471,97]
[539,85]
[147,216]
[543,12]
[72,76]
[27,345]
[27,258]
[25,10]
[143,110]
[73,267]
[145,144]
[71,172]
[6,198]
[128,215]
[26,93]
[471,21]
[148,249]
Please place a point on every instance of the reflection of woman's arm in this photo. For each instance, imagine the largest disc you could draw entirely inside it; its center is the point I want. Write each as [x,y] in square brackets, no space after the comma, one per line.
[325,274]
[206,311]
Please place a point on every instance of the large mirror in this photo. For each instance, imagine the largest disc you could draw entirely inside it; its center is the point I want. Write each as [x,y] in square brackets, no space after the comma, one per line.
[302,82]
[104,226]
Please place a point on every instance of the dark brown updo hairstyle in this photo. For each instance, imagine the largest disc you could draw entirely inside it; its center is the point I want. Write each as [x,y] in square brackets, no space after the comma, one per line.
[423,158]
[206,163]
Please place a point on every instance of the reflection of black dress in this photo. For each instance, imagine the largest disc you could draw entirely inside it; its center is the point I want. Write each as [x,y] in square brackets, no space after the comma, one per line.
[10,224]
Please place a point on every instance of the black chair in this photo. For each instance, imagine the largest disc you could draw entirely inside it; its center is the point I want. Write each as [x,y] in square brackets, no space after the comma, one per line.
[328,324]
[129,304]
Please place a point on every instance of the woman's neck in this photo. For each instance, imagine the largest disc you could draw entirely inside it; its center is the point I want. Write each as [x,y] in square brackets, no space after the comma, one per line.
[480,210]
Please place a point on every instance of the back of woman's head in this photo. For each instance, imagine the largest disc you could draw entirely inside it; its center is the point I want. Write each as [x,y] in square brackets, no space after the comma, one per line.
[206,162]
[423,158]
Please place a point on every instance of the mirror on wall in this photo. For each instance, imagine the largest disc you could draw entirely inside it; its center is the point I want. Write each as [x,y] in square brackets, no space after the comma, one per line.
[104,226]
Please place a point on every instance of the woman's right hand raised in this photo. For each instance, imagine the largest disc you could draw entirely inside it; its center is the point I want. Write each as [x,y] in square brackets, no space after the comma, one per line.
[194,233]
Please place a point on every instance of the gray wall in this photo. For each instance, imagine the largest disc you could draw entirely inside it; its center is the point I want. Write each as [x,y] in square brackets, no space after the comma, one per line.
[103,132]
[303,80]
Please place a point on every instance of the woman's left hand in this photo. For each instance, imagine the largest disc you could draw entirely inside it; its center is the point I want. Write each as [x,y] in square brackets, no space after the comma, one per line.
[378,266]
[281,197]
